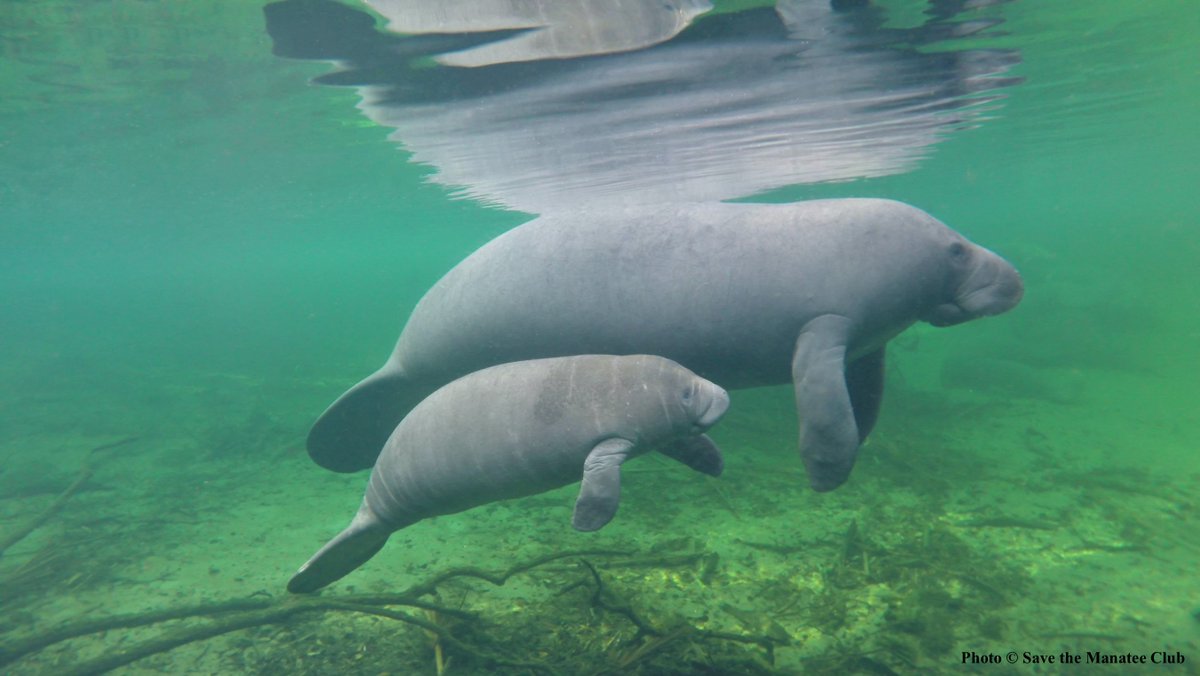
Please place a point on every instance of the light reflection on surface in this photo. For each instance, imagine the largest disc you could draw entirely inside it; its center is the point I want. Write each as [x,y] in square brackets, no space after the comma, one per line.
[733,105]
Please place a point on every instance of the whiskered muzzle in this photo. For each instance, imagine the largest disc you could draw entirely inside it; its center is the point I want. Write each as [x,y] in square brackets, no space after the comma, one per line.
[718,404]
[993,288]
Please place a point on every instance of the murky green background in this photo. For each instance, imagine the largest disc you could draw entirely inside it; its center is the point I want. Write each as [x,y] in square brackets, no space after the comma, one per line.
[200,249]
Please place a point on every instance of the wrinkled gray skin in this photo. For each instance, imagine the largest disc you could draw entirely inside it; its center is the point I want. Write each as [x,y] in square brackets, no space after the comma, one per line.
[743,294]
[523,428]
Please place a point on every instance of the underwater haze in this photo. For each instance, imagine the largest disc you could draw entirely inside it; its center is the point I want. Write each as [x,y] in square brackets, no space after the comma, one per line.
[216,216]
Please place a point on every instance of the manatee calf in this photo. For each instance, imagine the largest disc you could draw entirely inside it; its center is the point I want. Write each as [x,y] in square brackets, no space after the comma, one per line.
[523,428]
[742,294]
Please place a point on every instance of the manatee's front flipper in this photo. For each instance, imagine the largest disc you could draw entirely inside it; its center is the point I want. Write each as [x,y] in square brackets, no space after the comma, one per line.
[350,433]
[828,433]
[864,380]
[698,452]
[600,492]
[361,540]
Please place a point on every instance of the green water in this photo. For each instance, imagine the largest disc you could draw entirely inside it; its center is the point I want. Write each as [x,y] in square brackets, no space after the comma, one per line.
[201,250]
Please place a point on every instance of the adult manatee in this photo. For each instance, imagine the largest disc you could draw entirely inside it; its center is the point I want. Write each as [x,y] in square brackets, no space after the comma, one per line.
[743,294]
[523,428]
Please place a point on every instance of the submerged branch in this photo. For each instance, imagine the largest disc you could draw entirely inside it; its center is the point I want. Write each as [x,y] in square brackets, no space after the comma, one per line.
[85,473]
[232,615]
[209,620]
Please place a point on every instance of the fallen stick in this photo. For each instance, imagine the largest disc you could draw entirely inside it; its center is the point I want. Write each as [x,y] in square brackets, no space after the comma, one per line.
[85,472]
[224,617]
[237,614]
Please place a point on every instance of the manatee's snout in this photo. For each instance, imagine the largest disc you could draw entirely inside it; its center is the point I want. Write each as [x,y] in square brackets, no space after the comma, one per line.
[824,476]
[994,287]
[988,286]
[718,404]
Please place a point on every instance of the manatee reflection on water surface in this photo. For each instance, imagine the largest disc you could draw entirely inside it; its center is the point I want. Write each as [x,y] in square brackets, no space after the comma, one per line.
[539,106]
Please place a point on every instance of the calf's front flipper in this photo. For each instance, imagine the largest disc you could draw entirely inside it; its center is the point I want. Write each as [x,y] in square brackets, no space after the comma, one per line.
[600,492]
[698,452]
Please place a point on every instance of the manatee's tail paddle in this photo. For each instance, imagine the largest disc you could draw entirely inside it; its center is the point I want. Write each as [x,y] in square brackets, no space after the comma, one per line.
[350,433]
[361,540]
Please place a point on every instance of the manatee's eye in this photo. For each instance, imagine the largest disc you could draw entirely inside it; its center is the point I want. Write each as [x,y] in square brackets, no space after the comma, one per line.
[958,250]
[687,394]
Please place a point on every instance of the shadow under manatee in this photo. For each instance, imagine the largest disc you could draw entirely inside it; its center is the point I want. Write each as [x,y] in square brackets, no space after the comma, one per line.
[658,102]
